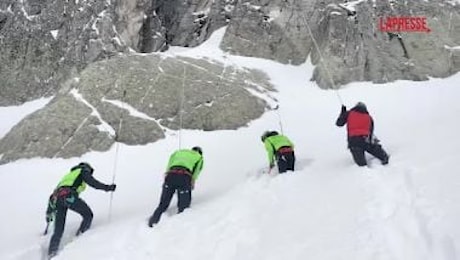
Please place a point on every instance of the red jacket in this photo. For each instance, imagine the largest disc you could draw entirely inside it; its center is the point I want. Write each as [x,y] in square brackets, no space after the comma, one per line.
[358,124]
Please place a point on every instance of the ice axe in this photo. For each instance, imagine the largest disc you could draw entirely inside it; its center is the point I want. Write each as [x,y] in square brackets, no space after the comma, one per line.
[46,229]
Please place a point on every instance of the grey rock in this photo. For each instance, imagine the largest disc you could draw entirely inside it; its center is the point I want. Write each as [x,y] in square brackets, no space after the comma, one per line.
[62,129]
[130,17]
[269,29]
[45,43]
[183,23]
[351,47]
[133,100]
[72,49]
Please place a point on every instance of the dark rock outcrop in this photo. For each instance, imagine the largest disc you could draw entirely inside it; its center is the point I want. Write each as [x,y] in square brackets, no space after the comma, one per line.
[44,43]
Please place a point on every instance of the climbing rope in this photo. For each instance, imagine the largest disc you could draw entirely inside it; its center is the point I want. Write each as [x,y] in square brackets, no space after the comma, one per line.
[279,118]
[181,108]
[315,43]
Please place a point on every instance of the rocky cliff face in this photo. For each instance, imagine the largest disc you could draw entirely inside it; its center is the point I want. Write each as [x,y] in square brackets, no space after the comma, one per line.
[184,23]
[348,38]
[47,44]
[134,100]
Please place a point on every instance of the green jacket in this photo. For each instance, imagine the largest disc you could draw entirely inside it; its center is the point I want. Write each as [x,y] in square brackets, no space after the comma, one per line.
[72,179]
[77,179]
[274,143]
[189,159]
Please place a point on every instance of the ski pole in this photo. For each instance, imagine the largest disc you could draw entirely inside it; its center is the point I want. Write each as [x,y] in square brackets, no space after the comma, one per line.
[116,155]
[46,229]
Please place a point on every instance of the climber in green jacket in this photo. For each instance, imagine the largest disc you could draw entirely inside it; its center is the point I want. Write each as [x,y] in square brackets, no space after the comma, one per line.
[279,147]
[66,196]
[183,169]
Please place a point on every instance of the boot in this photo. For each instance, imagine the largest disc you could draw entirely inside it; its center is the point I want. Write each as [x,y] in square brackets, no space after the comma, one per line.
[151,222]
[385,160]
[52,254]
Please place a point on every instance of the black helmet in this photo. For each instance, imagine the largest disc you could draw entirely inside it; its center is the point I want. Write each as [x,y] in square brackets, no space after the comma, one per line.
[198,149]
[264,136]
[268,134]
[361,105]
[85,166]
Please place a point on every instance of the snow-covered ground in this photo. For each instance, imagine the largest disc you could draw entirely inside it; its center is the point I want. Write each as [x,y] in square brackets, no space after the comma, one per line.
[327,209]
[12,115]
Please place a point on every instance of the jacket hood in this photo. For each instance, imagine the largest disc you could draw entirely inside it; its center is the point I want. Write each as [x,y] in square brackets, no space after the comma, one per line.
[360,109]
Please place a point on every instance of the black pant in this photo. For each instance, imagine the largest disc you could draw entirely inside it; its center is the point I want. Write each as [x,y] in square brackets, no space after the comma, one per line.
[76,204]
[360,144]
[285,162]
[182,183]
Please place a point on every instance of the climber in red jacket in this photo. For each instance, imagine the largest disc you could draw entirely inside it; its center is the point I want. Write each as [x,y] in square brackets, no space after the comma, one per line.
[360,128]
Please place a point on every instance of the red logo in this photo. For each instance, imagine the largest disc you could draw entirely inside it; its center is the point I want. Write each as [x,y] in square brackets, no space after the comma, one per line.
[403,24]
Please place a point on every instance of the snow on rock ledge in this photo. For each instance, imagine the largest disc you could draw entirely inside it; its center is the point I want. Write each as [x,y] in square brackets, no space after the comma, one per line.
[145,93]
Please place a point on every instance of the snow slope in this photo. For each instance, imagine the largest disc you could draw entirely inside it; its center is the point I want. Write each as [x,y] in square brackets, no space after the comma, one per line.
[328,209]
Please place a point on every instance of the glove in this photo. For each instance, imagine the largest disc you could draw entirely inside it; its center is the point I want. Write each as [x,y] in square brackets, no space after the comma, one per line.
[368,140]
[49,217]
[50,209]
[111,187]
[344,108]
[151,223]
[375,140]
